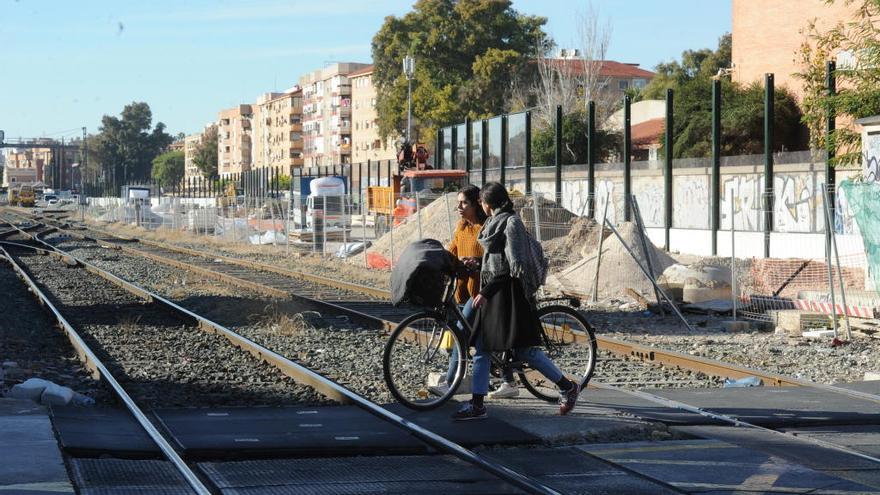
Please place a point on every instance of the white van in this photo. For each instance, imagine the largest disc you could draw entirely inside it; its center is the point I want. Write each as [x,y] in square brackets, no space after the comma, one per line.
[327,200]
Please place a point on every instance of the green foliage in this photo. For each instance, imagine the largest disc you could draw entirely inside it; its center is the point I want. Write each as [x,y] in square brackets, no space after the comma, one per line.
[574,139]
[858,87]
[695,64]
[464,49]
[168,168]
[742,107]
[742,119]
[126,146]
[205,155]
[284,182]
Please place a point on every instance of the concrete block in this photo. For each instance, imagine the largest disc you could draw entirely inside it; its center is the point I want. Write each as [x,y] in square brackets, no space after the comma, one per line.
[872,375]
[56,395]
[32,389]
[795,321]
[818,334]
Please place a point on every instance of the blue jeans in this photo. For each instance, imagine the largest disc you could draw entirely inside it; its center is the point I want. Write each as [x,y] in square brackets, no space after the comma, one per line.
[468,312]
[532,355]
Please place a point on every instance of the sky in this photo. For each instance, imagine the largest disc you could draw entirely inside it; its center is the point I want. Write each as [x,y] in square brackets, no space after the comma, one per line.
[66,64]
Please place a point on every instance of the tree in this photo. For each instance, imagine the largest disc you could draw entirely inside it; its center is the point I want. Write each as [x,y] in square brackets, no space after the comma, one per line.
[205,156]
[572,83]
[742,107]
[168,168]
[126,146]
[695,64]
[466,53]
[858,83]
[574,139]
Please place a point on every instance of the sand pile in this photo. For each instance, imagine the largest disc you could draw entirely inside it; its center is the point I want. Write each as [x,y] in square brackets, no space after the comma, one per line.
[581,240]
[438,221]
[553,219]
[617,269]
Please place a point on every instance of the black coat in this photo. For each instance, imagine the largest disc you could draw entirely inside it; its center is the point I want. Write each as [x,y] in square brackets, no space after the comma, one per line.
[508,319]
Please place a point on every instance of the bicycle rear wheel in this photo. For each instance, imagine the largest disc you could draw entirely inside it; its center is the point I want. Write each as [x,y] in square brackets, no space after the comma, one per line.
[417,351]
[569,341]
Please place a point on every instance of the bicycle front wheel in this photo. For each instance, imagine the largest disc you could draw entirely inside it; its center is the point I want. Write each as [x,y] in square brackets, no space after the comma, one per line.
[569,341]
[418,354]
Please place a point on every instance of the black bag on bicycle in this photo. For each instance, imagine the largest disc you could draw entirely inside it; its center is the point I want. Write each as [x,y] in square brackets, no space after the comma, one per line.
[420,274]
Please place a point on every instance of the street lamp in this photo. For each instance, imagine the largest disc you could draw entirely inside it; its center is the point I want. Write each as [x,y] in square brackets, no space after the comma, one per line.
[409,69]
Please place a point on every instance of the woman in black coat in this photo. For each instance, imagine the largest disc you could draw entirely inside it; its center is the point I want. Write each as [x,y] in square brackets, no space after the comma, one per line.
[505,317]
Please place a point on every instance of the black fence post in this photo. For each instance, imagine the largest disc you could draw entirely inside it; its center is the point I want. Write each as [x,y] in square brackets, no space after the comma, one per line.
[627,159]
[830,125]
[768,161]
[453,160]
[715,222]
[438,156]
[468,144]
[557,155]
[667,167]
[484,150]
[591,159]
[528,164]
[503,175]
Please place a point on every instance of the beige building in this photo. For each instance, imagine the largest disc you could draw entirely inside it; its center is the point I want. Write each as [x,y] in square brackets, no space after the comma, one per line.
[767,35]
[366,144]
[277,135]
[191,142]
[327,114]
[234,140]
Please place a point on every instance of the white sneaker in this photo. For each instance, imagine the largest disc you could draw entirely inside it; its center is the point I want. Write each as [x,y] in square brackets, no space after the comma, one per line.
[440,389]
[505,391]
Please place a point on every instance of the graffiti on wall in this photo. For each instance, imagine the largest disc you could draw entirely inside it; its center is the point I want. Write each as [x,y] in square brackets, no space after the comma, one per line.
[745,192]
[798,205]
[871,148]
[574,196]
[690,198]
[605,193]
[649,194]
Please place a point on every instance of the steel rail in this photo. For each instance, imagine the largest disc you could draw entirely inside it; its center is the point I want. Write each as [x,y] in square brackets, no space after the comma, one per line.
[675,404]
[334,390]
[642,352]
[91,361]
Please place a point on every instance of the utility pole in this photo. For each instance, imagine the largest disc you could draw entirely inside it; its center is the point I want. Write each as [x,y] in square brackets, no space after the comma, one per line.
[409,69]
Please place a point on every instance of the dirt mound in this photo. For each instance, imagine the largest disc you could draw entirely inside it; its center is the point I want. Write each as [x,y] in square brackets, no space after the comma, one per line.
[617,269]
[437,220]
[581,240]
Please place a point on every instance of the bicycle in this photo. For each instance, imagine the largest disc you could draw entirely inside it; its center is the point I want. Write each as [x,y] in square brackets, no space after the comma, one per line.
[421,344]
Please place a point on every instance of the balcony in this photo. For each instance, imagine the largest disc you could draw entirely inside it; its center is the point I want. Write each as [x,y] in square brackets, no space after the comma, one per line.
[344,127]
[298,127]
[342,90]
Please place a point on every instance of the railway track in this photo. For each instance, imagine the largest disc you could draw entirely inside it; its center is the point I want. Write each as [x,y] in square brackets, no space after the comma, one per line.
[372,307]
[650,355]
[112,323]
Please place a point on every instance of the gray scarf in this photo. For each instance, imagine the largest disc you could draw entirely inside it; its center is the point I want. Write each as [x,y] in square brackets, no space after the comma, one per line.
[513,259]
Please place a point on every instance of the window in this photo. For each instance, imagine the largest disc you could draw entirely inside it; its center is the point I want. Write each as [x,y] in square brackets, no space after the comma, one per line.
[639,83]
[623,84]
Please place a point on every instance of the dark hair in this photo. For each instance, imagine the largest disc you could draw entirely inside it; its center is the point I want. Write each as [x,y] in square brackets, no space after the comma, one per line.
[472,195]
[495,195]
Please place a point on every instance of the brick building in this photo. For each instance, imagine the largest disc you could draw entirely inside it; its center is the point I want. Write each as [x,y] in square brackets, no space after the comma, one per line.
[767,35]
[234,140]
[277,131]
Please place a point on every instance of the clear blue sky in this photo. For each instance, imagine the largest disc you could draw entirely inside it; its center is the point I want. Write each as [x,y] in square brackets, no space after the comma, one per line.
[67,63]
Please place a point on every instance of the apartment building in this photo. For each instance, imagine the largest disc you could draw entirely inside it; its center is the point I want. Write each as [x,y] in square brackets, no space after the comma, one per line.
[234,140]
[278,131]
[326,97]
[365,140]
[767,35]
[615,78]
[191,143]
